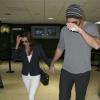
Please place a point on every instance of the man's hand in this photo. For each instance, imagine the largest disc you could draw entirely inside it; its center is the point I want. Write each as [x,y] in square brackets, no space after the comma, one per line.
[73,27]
[52,69]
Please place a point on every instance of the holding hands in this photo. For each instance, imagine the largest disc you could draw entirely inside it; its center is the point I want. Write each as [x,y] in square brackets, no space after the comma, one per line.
[57,55]
[52,69]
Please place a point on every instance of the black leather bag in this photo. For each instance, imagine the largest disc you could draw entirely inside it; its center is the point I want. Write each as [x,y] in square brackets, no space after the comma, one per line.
[44,77]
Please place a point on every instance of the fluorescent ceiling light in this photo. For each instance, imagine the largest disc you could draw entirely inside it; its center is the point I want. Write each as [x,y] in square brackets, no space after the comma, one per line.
[98,22]
[18,29]
[51,18]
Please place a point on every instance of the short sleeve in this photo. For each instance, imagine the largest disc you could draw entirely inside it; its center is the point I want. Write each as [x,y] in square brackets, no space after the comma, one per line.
[61,43]
[93,30]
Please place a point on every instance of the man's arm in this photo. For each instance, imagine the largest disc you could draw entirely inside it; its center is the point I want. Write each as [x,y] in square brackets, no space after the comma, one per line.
[58,54]
[93,41]
[98,40]
[59,50]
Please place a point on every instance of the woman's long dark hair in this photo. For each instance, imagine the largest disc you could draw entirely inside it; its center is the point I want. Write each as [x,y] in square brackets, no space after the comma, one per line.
[30,40]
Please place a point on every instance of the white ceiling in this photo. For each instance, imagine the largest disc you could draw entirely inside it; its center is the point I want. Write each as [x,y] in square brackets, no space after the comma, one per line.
[38,11]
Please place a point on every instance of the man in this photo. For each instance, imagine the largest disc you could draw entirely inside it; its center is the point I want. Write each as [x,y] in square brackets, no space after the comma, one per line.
[76,38]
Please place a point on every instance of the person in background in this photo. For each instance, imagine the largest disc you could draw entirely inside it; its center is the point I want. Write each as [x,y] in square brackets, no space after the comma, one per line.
[30,54]
[1,83]
[77,38]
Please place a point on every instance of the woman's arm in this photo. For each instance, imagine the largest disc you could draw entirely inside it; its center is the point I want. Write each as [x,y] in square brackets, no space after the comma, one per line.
[16,51]
[43,55]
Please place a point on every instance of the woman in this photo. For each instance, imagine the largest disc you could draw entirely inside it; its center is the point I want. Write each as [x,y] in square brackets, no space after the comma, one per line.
[30,56]
[1,83]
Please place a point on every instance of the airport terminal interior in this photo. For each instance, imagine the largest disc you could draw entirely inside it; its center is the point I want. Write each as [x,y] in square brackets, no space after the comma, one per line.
[43,19]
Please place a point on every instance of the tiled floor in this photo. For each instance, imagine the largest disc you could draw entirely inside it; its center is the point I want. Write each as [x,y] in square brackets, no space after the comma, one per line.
[15,90]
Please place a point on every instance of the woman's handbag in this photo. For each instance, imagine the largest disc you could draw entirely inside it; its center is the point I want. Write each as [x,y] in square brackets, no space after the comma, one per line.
[44,77]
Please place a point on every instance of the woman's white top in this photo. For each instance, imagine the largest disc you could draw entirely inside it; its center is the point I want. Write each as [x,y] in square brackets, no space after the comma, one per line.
[29,57]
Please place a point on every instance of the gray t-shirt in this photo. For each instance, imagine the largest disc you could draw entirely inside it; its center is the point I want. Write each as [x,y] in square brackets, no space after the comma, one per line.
[77,55]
